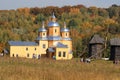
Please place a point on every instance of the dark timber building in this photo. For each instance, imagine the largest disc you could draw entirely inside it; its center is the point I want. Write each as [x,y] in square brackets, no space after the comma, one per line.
[115,49]
[95,47]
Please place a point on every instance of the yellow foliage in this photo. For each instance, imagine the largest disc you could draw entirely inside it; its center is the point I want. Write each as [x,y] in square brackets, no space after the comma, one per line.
[97,28]
[74,10]
[26,11]
[86,25]
[109,21]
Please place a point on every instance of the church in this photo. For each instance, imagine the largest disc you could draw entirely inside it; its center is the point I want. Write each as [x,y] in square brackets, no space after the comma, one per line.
[52,42]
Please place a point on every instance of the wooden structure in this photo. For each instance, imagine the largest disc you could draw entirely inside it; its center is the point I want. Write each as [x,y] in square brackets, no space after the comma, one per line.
[95,47]
[115,49]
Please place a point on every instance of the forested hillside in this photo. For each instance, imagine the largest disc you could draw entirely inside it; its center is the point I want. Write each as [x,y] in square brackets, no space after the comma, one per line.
[23,23]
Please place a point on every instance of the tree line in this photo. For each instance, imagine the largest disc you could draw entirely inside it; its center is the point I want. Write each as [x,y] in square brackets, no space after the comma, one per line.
[23,23]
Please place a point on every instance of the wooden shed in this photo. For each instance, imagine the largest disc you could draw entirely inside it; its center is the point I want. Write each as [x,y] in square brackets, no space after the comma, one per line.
[115,49]
[95,47]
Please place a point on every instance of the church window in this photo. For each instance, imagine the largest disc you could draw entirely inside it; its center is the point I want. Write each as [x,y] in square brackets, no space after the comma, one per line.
[55,30]
[26,49]
[28,55]
[43,33]
[16,55]
[59,53]
[44,46]
[64,54]
[66,34]
[13,55]
[35,49]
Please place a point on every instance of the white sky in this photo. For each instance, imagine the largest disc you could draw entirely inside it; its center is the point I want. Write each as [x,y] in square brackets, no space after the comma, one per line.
[14,4]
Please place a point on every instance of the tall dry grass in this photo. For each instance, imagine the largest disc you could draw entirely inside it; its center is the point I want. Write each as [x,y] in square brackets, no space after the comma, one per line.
[47,69]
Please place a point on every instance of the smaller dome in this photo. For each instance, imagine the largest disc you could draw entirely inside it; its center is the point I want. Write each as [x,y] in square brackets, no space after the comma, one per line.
[65,30]
[53,16]
[42,30]
[55,24]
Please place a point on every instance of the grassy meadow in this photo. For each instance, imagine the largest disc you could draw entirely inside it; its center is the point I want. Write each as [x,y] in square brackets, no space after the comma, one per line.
[47,69]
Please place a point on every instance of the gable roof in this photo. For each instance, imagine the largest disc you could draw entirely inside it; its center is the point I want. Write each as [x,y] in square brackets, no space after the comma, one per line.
[60,45]
[54,38]
[96,39]
[41,38]
[20,43]
[115,41]
[51,49]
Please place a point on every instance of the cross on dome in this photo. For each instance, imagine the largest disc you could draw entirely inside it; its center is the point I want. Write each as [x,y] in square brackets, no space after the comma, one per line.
[53,15]
[53,18]
[64,24]
[43,25]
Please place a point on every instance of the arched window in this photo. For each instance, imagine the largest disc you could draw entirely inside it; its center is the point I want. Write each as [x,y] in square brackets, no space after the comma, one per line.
[44,34]
[28,55]
[16,55]
[64,54]
[35,49]
[55,30]
[12,55]
[59,53]
[66,34]
[44,46]
[26,49]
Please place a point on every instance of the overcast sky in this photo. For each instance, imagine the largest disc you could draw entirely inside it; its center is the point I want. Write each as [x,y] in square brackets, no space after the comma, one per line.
[14,4]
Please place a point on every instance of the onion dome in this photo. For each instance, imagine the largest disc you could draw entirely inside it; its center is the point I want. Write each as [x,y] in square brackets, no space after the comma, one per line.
[53,22]
[65,29]
[43,28]
[50,24]
[53,15]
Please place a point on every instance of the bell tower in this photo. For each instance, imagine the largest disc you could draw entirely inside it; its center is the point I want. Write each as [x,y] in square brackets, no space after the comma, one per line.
[42,31]
[53,31]
[42,40]
[65,32]
[53,27]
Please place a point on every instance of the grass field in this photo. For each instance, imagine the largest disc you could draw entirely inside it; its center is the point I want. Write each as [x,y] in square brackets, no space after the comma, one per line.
[47,69]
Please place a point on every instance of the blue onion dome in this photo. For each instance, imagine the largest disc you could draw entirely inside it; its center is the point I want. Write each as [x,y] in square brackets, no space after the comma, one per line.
[64,29]
[50,24]
[43,28]
[53,22]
